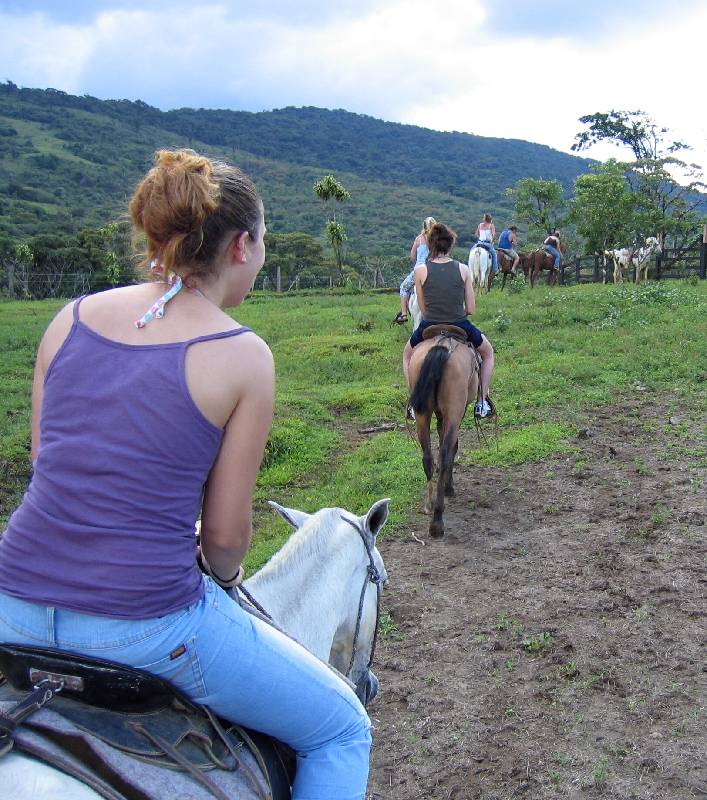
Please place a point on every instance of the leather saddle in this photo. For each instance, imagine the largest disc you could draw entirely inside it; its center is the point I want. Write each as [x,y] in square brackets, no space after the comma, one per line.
[449,331]
[133,711]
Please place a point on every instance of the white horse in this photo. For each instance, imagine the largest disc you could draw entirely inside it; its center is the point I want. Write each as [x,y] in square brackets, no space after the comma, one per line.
[480,265]
[319,588]
[414,309]
[626,258]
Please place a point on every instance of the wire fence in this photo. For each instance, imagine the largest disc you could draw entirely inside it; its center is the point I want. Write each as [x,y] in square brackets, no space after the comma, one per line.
[22,283]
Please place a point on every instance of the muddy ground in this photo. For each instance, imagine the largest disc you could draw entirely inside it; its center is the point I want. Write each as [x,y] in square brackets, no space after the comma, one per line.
[551,644]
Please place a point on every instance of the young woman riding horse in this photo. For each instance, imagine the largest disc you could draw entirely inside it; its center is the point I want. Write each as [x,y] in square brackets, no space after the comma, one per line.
[442,371]
[152,406]
[418,255]
[446,295]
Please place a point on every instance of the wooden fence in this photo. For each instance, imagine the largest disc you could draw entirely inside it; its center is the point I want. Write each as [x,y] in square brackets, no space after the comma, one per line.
[671,263]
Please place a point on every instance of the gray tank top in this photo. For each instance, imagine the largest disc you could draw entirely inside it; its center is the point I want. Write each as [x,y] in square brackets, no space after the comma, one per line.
[444,292]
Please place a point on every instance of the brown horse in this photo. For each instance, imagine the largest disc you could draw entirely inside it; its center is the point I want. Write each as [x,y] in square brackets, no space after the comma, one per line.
[540,260]
[444,374]
[505,266]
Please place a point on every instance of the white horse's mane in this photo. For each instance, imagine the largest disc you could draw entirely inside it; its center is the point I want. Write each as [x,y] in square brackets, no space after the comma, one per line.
[312,541]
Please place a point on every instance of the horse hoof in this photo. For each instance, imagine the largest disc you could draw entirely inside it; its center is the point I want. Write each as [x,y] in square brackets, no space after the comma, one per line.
[449,491]
[436,531]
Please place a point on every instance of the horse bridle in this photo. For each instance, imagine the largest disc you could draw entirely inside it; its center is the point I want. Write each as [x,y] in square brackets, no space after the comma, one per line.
[372,576]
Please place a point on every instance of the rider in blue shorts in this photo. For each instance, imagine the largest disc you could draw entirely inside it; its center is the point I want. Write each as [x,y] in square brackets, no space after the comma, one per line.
[445,294]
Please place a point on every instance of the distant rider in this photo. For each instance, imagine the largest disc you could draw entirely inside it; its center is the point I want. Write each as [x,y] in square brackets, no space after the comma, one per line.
[486,233]
[551,245]
[418,255]
[508,241]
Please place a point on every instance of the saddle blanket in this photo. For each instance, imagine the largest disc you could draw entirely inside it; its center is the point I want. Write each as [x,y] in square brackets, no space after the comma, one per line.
[45,733]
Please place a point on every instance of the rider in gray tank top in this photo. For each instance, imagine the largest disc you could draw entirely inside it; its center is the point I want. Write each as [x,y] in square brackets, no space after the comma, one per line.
[444,292]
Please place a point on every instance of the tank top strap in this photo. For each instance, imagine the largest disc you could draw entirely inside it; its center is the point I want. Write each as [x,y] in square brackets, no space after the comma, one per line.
[77,303]
[220,335]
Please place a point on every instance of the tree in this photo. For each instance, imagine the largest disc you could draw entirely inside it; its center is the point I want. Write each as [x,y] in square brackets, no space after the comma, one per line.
[634,129]
[296,254]
[665,186]
[540,203]
[603,208]
[331,192]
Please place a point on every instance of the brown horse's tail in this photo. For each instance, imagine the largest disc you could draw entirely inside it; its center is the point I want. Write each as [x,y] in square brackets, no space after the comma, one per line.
[425,392]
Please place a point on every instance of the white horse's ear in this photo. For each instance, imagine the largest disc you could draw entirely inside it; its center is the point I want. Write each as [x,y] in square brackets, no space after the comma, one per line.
[291,515]
[376,517]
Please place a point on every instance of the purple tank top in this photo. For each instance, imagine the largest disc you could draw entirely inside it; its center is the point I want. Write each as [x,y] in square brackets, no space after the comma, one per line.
[107,523]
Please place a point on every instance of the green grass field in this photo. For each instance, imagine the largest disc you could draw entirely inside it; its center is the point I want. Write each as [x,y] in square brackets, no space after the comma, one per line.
[337,356]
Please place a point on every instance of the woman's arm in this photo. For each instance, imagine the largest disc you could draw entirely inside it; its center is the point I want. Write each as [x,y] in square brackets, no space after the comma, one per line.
[413,250]
[226,522]
[420,278]
[469,296]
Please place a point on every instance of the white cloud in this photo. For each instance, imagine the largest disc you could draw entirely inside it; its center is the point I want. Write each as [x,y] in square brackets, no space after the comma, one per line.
[407,60]
[38,52]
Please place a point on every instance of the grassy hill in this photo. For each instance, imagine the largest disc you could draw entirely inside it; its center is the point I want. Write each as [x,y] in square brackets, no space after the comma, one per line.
[70,162]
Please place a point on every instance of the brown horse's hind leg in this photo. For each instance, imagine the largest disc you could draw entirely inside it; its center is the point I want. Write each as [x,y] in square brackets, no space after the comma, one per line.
[441,431]
[533,276]
[422,423]
[449,483]
[446,462]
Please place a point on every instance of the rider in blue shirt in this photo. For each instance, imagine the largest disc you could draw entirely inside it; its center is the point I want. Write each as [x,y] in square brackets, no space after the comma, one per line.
[508,240]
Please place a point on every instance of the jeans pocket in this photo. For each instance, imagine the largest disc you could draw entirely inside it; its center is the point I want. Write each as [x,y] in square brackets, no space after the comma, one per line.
[181,668]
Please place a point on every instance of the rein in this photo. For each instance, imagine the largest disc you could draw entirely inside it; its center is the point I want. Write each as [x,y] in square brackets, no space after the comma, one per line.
[372,576]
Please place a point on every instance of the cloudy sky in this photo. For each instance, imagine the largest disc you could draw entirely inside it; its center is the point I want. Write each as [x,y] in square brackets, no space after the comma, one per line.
[523,69]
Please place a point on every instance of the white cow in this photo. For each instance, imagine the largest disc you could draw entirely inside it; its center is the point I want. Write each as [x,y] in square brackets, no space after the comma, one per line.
[628,257]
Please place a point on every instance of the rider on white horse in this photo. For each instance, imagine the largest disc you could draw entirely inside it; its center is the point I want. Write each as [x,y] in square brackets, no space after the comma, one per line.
[152,406]
[486,233]
[418,255]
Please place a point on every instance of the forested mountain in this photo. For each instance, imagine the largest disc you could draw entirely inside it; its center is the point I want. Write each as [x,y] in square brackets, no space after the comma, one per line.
[69,162]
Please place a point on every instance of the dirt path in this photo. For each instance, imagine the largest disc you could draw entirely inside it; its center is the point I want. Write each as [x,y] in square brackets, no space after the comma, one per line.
[549,645]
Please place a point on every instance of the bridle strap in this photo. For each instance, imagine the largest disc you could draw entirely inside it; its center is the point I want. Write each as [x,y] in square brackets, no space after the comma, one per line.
[372,576]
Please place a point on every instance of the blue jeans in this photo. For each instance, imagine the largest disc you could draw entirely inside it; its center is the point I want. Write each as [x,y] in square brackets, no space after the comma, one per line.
[488,246]
[408,284]
[241,667]
[473,334]
[555,253]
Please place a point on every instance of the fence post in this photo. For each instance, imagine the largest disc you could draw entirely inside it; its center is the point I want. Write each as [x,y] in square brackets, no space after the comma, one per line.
[11,279]
[577,269]
[703,254]
[596,267]
[278,280]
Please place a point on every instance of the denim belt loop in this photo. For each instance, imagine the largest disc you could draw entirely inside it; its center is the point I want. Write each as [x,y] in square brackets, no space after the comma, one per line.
[51,633]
